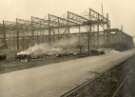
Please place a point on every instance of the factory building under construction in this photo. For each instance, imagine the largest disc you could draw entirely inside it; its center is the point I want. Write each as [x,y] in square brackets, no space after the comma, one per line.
[92,31]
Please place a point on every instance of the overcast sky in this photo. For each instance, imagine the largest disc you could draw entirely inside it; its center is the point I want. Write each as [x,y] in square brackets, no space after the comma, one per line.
[122,12]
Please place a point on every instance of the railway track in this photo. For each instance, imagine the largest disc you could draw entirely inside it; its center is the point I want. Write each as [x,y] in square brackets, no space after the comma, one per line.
[113,76]
[127,88]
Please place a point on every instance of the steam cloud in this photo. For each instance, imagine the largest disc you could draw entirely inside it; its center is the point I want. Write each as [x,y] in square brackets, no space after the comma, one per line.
[59,47]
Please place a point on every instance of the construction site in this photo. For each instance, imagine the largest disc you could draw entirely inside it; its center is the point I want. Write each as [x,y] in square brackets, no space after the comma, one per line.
[89,32]
[74,55]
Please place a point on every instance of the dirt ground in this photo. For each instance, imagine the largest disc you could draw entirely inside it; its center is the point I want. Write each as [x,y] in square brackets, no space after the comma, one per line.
[14,65]
[58,78]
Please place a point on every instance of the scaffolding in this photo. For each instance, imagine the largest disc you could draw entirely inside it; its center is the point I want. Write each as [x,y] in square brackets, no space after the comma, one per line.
[24,33]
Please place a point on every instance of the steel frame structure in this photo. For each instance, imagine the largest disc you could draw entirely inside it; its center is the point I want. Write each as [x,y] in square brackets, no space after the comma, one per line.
[54,28]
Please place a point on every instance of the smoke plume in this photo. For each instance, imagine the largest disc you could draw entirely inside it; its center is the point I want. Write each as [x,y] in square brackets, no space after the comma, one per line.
[59,47]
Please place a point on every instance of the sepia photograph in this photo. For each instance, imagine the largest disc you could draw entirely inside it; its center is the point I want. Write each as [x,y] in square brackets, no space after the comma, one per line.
[67,48]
